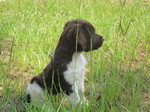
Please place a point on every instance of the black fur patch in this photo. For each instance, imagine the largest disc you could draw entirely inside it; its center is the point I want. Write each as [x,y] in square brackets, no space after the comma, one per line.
[28,98]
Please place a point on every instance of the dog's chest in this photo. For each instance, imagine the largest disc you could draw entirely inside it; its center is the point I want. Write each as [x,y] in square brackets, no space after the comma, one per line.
[76,68]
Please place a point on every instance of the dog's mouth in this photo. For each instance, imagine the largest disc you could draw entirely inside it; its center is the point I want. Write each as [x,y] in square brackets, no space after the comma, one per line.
[94,47]
[98,43]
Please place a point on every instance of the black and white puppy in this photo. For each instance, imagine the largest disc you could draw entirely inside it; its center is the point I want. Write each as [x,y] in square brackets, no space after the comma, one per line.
[67,68]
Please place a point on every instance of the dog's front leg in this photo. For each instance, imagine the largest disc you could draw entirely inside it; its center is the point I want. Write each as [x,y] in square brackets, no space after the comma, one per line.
[74,96]
[83,99]
[80,84]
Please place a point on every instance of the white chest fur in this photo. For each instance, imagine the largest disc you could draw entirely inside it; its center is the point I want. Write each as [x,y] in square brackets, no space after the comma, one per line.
[76,69]
[75,76]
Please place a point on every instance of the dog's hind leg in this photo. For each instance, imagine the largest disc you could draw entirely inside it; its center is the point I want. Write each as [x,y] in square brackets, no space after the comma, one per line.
[35,94]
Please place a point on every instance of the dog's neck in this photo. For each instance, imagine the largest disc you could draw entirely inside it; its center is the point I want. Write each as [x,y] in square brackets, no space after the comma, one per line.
[65,53]
[65,50]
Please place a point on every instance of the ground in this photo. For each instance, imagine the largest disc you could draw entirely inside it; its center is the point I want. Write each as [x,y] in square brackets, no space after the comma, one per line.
[118,73]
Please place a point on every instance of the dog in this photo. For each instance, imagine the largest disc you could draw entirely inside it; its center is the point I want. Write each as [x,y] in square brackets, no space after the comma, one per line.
[67,68]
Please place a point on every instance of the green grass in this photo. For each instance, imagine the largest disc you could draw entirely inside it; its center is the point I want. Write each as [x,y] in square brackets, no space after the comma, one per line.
[119,71]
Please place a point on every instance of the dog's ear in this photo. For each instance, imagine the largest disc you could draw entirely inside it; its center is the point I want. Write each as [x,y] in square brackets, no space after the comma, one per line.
[84,38]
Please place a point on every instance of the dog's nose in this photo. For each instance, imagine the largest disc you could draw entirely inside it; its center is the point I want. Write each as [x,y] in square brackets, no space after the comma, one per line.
[103,39]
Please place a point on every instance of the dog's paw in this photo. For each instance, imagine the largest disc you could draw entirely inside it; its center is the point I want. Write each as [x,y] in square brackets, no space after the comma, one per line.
[84,102]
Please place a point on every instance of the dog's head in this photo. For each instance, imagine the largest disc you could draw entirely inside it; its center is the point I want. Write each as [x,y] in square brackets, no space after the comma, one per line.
[84,35]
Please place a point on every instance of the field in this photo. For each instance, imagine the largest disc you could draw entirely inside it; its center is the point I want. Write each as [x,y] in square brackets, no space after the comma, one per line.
[118,77]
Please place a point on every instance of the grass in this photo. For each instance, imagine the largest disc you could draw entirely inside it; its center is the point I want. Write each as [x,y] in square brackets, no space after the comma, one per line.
[118,77]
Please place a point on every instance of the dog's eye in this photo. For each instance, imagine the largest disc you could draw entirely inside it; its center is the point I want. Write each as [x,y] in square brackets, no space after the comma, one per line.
[92,31]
